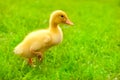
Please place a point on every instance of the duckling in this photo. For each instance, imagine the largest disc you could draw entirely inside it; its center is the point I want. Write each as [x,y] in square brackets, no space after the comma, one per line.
[37,42]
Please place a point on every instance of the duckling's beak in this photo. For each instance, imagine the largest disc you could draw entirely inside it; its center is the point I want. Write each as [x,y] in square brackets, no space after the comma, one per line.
[69,22]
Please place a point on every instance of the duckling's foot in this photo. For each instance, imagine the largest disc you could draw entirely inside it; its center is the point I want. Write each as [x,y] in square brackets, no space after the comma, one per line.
[33,65]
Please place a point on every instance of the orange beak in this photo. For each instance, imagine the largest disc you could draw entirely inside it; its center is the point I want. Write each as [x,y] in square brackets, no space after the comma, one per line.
[69,22]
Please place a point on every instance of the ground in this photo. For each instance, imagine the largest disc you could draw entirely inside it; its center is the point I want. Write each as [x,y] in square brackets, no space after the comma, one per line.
[90,49]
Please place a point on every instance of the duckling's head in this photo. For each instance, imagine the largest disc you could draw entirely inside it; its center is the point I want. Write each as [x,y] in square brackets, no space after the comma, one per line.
[58,17]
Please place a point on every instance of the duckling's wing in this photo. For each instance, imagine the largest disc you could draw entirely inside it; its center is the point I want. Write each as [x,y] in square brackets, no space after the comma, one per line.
[42,42]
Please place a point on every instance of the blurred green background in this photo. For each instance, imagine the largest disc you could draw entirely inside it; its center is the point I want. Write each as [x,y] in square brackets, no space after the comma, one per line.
[90,49]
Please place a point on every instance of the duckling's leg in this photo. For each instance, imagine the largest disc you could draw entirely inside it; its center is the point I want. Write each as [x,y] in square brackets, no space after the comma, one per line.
[38,54]
[30,61]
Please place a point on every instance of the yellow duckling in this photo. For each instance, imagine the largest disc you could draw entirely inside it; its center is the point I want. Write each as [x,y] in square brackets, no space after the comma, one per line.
[35,43]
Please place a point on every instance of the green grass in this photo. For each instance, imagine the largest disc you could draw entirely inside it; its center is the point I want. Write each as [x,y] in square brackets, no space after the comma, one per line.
[90,49]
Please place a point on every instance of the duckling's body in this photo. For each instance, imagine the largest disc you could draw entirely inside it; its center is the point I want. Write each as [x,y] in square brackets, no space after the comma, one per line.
[39,41]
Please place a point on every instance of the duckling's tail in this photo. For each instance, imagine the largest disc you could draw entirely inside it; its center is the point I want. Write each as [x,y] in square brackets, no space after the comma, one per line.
[18,50]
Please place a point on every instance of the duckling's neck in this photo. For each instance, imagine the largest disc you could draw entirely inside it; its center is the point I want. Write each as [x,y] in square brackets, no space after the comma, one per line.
[53,26]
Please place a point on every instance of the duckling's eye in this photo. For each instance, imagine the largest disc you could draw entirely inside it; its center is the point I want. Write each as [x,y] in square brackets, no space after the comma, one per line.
[62,16]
